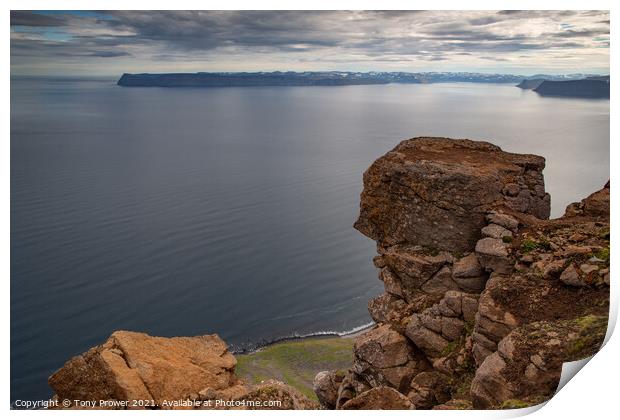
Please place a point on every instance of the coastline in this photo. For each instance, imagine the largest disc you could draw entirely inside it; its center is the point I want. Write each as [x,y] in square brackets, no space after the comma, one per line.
[352,333]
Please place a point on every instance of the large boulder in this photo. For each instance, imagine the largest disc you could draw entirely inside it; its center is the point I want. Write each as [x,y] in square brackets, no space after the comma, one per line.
[468,274]
[438,329]
[387,308]
[410,270]
[493,255]
[383,356]
[435,192]
[273,395]
[135,366]
[596,205]
[326,385]
[429,389]
[379,398]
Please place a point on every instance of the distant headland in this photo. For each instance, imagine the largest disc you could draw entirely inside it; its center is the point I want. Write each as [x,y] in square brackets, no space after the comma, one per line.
[323,78]
[589,87]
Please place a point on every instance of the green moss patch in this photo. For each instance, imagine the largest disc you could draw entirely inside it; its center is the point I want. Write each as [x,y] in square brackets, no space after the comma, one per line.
[297,362]
[529,245]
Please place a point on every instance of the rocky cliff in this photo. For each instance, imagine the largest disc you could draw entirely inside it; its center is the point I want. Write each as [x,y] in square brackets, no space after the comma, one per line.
[586,88]
[136,371]
[485,298]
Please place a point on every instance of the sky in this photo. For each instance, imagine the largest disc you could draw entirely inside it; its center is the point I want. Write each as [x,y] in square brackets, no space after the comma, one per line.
[109,43]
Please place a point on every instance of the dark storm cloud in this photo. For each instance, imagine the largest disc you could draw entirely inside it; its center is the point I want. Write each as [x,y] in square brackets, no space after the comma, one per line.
[52,49]
[27,18]
[209,30]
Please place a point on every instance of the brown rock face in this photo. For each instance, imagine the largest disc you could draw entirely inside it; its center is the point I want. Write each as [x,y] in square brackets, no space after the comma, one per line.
[434,329]
[325,386]
[387,308]
[528,362]
[275,395]
[435,192]
[383,356]
[429,389]
[484,297]
[595,205]
[379,398]
[556,278]
[132,365]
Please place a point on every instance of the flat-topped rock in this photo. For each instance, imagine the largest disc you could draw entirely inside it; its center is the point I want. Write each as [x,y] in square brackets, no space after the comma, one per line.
[131,365]
[435,192]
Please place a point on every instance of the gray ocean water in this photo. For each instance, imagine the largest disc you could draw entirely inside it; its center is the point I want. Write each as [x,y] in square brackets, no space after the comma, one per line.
[230,211]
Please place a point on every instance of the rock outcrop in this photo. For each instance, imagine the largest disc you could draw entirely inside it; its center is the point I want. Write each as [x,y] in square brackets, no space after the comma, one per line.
[479,284]
[436,192]
[136,371]
[325,386]
[385,357]
[379,398]
[528,362]
[135,366]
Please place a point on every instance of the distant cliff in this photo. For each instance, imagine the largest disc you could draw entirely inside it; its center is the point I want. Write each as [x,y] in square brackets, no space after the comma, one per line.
[321,78]
[256,79]
[586,88]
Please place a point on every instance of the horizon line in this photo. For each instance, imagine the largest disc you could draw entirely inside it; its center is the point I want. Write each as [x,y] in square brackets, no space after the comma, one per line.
[541,72]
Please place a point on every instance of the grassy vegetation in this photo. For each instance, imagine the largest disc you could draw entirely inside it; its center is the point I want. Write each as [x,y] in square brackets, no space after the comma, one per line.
[450,347]
[512,404]
[602,254]
[528,245]
[591,335]
[297,362]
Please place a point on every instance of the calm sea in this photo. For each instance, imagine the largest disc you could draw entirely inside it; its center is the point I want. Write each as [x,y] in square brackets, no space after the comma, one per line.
[230,211]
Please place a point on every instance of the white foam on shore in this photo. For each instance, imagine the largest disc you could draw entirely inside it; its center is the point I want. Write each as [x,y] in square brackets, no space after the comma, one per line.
[297,336]
[346,333]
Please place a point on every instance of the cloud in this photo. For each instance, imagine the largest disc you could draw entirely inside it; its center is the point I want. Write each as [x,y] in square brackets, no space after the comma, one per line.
[371,40]
[486,20]
[585,33]
[27,18]
[109,54]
